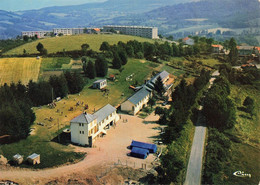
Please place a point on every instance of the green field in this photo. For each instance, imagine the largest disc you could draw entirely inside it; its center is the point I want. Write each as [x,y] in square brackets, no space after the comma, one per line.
[52,153]
[55,63]
[245,149]
[74,42]
[210,62]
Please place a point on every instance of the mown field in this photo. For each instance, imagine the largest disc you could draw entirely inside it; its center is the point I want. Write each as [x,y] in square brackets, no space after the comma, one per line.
[74,42]
[19,69]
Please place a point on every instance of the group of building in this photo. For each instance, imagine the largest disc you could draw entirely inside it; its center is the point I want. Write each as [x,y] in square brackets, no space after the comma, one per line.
[31,159]
[86,128]
[142,31]
[243,50]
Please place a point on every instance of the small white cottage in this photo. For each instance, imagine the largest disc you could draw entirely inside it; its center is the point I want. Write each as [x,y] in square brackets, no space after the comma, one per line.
[100,84]
[17,159]
[34,159]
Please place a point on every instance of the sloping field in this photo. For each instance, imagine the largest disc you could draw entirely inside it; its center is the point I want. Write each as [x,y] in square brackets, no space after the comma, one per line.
[15,69]
[74,42]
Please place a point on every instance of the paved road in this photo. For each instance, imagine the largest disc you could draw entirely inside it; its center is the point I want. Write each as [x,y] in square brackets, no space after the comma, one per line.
[193,176]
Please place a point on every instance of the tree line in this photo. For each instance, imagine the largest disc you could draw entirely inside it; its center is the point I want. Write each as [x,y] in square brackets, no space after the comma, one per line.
[16,101]
[184,97]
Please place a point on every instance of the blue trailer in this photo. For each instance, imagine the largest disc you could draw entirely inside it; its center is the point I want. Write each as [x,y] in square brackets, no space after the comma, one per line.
[151,147]
[139,152]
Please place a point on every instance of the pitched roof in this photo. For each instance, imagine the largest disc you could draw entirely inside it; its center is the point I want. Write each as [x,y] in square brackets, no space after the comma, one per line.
[105,111]
[33,156]
[216,45]
[99,81]
[84,118]
[245,47]
[257,48]
[186,38]
[139,95]
[96,29]
[162,74]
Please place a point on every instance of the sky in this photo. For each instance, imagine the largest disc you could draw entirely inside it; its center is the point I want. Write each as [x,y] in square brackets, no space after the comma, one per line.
[16,5]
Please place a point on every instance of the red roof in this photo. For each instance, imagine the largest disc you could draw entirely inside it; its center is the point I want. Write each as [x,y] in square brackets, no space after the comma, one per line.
[111,76]
[186,38]
[216,46]
[96,29]
[258,48]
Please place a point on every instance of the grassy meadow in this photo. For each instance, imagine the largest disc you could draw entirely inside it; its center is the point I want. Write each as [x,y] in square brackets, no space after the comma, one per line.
[245,148]
[41,140]
[19,69]
[74,42]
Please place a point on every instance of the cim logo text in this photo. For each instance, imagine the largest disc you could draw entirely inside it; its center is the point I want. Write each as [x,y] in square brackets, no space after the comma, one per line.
[241,174]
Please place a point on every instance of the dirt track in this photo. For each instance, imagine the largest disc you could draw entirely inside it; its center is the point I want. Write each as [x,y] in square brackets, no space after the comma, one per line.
[109,150]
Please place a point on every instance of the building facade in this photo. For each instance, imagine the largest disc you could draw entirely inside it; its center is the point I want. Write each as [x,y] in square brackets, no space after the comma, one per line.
[85,128]
[137,101]
[140,99]
[188,41]
[217,48]
[40,34]
[147,32]
[100,84]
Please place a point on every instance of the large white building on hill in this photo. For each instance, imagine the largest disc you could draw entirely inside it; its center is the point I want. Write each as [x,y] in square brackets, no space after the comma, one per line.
[85,128]
[40,34]
[142,31]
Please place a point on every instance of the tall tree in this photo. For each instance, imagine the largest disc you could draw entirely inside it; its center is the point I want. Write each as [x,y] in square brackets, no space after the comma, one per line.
[101,66]
[90,70]
[104,46]
[175,50]
[59,85]
[39,47]
[117,63]
[158,86]
[123,56]
[233,54]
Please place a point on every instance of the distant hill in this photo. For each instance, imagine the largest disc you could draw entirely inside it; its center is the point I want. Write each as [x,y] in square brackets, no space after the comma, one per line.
[227,13]
[90,14]
[69,43]
[198,15]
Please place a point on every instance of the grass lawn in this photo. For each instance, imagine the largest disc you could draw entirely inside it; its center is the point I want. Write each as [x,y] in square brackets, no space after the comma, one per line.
[247,127]
[55,63]
[245,151]
[74,42]
[210,62]
[15,69]
[53,154]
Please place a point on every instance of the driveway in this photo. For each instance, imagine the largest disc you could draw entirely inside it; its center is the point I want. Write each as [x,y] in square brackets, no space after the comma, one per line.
[107,151]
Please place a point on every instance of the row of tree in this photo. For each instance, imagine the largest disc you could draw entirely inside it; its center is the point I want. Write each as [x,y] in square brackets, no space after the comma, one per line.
[176,118]
[16,115]
[16,101]
[248,75]
[150,51]
[219,109]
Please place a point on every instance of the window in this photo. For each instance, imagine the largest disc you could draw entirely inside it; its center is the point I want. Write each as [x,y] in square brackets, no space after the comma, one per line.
[82,132]
[79,132]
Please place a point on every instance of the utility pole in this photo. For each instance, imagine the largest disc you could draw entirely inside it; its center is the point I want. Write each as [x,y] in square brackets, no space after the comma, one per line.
[52,94]
[58,130]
